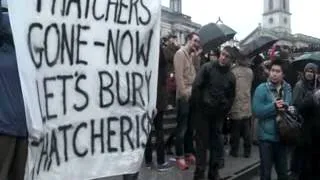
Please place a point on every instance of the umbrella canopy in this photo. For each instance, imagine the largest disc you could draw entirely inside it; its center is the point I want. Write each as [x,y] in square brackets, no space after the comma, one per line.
[228,32]
[213,35]
[300,62]
[258,45]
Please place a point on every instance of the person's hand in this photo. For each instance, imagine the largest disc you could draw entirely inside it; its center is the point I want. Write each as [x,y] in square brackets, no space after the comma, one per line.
[279,104]
[176,44]
[194,50]
[199,51]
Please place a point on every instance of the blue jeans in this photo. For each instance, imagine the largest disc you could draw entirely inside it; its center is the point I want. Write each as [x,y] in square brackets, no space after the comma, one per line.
[273,153]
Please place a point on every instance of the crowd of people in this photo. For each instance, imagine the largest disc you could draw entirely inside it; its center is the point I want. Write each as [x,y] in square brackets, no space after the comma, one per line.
[209,88]
[216,86]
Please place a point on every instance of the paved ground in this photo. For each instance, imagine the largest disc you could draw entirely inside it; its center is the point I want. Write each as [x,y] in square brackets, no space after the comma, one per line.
[274,176]
[232,166]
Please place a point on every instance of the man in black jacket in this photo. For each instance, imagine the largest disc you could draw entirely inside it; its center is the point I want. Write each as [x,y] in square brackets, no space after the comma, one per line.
[309,109]
[305,154]
[304,87]
[212,96]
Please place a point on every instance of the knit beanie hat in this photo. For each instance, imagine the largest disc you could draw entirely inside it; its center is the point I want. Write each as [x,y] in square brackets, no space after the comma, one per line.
[311,66]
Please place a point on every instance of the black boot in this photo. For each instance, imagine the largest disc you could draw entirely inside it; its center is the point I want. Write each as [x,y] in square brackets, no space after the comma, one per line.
[247,154]
[214,175]
[199,174]
[234,153]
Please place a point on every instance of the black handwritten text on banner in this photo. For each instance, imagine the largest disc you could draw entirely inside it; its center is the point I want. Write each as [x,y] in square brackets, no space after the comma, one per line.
[88,70]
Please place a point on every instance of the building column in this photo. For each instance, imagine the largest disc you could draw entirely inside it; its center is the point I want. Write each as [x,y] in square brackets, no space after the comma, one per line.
[175,5]
[179,4]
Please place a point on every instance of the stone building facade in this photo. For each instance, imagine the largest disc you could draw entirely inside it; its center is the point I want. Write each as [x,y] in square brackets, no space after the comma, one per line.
[277,23]
[173,21]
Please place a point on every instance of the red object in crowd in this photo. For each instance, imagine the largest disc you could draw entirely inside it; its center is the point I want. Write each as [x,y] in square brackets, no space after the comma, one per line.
[272,53]
[171,83]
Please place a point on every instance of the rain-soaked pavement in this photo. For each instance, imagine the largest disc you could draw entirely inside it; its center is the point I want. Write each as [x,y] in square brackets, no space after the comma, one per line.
[232,167]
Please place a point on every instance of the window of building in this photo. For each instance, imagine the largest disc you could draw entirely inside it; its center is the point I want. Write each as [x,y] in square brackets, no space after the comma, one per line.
[285,20]
[270,5]
[270,20]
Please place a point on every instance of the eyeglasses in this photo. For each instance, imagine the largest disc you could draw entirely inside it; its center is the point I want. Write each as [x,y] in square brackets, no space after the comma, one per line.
[196,40]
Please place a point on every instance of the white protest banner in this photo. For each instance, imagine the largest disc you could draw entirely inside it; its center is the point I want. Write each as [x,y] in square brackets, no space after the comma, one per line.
[88,70]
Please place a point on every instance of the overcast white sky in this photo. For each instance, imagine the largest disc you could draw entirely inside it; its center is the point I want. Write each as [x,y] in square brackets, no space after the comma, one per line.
[245,15]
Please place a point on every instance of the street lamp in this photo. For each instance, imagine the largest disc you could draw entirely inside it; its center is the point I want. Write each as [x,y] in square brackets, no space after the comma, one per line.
[219,20]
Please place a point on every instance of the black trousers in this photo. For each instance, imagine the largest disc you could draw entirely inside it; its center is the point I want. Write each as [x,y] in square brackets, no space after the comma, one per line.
[160,147]
[209,136]
[13,156]
[311,163]
[240,128]
[184,131]
[170,140]
[297,159]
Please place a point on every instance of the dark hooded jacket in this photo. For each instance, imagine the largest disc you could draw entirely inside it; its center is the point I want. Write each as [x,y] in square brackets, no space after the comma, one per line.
[214,89]
[162,83]
[169,52]
[12,114]
[309,109]
[303,99]
[304,87]
[259,75]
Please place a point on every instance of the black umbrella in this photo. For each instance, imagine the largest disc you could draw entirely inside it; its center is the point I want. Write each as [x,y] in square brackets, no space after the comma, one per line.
[228,32]
[213,35]
[300,62]
[258,45]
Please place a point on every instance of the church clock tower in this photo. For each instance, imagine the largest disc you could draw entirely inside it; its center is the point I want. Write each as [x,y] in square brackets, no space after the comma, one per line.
[277,15]
[175,5]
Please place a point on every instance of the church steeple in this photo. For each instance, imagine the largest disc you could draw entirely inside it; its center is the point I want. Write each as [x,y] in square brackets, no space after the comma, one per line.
[176,6]
[277,15]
